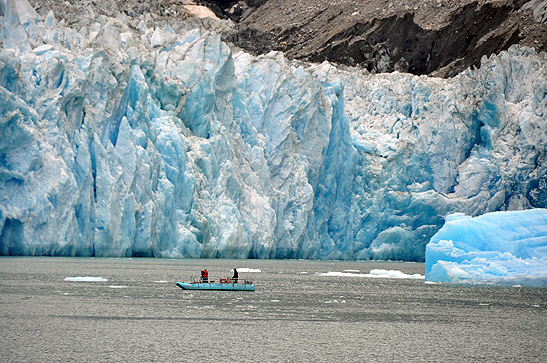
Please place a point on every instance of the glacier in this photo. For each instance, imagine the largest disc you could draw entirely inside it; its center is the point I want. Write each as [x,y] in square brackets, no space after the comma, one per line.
[120,137]
[501,248]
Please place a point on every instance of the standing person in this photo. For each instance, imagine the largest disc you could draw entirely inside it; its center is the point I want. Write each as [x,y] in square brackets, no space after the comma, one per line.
[236,275]
[205,276]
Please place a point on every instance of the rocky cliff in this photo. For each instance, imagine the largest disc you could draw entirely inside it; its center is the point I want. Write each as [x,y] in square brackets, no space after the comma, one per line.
[434,37]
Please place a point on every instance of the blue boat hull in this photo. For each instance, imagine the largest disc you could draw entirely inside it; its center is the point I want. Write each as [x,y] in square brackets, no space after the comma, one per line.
[215,286]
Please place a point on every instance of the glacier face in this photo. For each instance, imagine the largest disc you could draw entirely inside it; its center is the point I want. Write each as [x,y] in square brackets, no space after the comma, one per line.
[119,139]
[494,248]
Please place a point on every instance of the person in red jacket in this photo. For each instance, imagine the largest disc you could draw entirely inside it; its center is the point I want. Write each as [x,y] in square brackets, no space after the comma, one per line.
[205,276]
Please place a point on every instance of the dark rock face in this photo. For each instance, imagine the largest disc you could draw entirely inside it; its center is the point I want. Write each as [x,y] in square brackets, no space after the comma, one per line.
[434,37]
[410,48]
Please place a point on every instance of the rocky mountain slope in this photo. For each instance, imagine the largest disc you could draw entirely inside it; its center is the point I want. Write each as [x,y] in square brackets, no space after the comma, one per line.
[434,37]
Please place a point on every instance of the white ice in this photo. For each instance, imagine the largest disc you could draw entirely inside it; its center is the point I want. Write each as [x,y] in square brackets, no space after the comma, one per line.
[376,273]
[86,279]
[248,270]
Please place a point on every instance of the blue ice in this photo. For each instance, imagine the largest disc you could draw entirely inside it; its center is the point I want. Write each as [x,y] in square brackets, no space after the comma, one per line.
[119,140]
[506,248]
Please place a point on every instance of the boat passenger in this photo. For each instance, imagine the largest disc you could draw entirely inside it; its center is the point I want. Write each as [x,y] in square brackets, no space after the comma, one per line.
[236,275]
[205,276]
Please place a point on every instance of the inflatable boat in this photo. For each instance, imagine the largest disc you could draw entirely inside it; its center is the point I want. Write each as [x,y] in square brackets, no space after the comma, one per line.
[222,285]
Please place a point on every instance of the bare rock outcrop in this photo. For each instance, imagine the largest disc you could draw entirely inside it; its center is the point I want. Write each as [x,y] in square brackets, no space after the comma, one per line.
[435,37]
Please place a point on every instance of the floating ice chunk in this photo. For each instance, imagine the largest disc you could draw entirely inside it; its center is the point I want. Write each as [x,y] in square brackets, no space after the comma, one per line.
[496,248]
[248,270]
[394,274]
[86,279]
[335,301]
[376,273]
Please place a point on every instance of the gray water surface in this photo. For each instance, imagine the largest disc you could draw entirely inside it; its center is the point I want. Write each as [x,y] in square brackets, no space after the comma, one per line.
[295,314]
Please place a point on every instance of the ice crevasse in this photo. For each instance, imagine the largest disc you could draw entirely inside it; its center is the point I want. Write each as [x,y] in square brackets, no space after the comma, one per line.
[120,138]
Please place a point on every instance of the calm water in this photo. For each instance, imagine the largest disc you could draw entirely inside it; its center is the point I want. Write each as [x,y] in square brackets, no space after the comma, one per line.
[295,315]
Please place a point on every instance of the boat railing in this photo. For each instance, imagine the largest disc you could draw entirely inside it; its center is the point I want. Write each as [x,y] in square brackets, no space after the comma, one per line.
[195,280]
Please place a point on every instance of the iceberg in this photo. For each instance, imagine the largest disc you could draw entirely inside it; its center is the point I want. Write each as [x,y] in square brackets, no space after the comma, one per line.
[503,248]
[121,137]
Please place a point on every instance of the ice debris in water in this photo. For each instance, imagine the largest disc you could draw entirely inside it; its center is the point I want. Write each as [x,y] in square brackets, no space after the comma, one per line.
[376,273]
[86,279]
[248,270]
[505,248]
[126,139]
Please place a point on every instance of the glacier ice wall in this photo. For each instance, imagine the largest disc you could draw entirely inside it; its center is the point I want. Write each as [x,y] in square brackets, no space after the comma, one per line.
[122,139]
[505,248]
